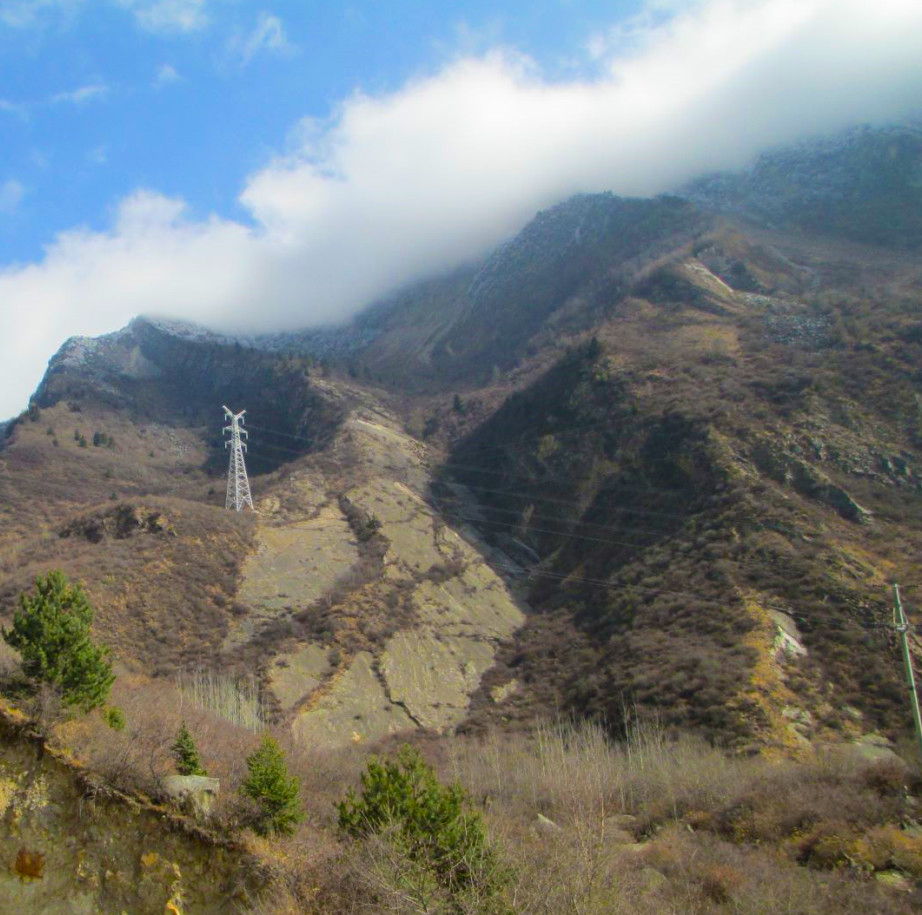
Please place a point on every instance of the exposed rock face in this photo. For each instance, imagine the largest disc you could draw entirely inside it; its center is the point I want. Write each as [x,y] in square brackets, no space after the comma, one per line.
[807,480]
[355,707]
[296,564]
[119,523]
[71,853]
[298,673]
[377,558]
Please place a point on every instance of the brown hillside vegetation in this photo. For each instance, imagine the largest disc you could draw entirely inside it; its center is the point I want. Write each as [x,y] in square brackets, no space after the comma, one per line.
[579,824]
[711,458]
[642,472]
[161,570]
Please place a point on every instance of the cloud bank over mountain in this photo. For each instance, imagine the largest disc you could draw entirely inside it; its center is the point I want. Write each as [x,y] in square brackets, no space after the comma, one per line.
[398,186]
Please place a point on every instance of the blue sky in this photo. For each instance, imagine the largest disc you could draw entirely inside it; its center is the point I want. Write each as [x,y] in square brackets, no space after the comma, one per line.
[99,98]
[261,166]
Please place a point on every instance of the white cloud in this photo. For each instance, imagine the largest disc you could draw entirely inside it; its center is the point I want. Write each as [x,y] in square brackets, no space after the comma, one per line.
[82,94]
[401,185]
[268,36]
[166,16]
[166,76]
[98,155]
[11,194]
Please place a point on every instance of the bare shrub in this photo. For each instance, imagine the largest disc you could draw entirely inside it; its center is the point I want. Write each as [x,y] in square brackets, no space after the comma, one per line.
[707,874]
[721,832]
[574,771]
[236,700]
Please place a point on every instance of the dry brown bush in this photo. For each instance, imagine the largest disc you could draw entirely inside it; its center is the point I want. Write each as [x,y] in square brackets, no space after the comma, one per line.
[720,830]
[707,874]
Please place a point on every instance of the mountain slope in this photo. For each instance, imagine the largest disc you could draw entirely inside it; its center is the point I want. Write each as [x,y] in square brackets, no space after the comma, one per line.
[683,445]
[562,269]
[717,475]
[344,593]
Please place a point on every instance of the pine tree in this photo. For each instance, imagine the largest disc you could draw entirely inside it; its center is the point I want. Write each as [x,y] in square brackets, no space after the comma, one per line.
[51,631]
[277,795]
[186,755]
[432,823]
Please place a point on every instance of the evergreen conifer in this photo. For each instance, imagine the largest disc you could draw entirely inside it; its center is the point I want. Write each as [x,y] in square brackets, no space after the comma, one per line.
[186,755]
[277,795]
[51,631]
[432,823]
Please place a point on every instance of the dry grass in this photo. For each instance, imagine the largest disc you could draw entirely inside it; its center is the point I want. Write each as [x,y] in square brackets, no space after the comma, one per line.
[642,826]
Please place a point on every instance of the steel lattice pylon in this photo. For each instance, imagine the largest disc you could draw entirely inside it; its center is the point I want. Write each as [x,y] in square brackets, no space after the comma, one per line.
[238,486]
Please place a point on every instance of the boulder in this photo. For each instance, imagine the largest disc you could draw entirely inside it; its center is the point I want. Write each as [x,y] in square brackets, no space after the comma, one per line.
[895,880]
[194,793]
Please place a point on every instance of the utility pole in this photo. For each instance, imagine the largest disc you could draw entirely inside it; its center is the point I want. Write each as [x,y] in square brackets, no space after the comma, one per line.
[902,627]
[238,486]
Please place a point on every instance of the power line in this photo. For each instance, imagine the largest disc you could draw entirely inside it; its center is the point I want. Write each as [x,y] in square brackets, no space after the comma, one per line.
[622,510]
[569,502]
[626,510]
[583,579]
[844,622]
[539,530]
[279,432]
[569,535]
[526,481]
[517,513]
[620,586]
[564,430]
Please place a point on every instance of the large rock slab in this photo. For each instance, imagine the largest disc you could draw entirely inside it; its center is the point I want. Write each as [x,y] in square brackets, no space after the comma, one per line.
[294,675]
[440,609]
[435,669]
[355,708]
[406,521]
[433,676]
[296,564]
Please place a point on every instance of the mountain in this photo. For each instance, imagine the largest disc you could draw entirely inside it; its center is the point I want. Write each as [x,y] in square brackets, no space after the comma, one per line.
[164,370]
[570,260]
[652,460]
[864,185]
[679,437]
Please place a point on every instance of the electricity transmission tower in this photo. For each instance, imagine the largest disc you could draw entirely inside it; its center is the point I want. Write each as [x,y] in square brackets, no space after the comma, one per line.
[238,486]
